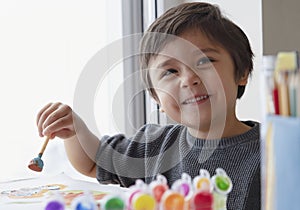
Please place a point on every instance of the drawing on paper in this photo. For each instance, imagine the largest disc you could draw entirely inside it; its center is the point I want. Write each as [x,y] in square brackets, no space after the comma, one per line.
[32,192]
[46,190]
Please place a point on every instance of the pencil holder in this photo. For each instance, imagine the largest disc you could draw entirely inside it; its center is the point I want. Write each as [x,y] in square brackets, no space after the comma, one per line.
[281,163]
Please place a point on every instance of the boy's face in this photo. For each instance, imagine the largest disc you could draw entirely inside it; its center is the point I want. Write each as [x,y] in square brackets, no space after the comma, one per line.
[194,82]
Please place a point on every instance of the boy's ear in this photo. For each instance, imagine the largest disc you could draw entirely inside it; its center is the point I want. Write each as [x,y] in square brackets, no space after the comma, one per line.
[244,79]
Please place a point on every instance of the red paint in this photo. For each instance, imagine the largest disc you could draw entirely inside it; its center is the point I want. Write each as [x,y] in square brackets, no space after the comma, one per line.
[158,191]
[203,201]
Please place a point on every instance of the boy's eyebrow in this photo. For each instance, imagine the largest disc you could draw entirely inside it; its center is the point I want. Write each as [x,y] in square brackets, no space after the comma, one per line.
[196,52]
[166,62]
[205,50]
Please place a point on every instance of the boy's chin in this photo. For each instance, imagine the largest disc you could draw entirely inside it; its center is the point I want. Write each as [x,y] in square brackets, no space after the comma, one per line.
[198,126]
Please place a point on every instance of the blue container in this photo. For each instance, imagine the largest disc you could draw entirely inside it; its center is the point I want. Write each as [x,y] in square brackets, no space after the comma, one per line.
[286,154]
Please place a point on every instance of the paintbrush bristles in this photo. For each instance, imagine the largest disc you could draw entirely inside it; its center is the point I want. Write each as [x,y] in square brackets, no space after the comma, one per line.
[37,164]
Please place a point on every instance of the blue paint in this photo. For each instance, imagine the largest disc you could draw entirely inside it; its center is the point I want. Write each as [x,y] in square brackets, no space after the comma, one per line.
[39,162]
[84,202]
[85,206]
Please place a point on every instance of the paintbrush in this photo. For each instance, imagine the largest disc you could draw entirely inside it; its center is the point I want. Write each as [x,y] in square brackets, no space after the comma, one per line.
[37,164]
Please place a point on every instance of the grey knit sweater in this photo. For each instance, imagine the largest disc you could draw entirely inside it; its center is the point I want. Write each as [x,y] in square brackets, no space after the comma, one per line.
[171,150]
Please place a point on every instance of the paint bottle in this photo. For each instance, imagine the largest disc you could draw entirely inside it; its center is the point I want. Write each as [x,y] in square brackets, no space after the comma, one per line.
[183,185]
[158,187]
[203,192]
[222,187]
[55,202]
[140,197]
[202,181]
[172,200]
[113,202]
[84,202]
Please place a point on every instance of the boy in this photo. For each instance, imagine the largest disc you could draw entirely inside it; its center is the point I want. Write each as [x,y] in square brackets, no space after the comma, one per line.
[195,63]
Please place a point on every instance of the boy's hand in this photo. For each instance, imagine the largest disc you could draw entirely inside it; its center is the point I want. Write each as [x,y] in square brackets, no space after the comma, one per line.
[56,119]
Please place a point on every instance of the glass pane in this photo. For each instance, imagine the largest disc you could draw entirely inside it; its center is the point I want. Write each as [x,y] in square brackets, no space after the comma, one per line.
[45,46]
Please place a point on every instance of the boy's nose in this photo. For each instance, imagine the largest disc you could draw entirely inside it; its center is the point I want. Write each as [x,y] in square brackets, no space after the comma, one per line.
[189,78]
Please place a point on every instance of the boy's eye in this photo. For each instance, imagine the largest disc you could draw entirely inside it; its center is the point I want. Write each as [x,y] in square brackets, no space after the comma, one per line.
[169,71]
[204,61]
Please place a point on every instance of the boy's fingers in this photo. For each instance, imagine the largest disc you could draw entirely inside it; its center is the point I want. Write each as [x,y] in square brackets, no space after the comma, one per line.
[64,123]
[56,115]
[44,114]
[41,112]
[41,117]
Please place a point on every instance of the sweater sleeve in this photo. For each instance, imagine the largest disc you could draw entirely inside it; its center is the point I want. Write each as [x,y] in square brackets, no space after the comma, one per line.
[122,160]
[117,156]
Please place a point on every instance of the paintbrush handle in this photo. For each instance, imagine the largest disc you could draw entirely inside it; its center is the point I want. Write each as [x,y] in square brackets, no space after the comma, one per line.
[44,145]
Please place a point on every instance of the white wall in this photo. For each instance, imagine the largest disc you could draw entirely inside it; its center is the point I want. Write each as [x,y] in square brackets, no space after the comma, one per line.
[44,47]
[248,15]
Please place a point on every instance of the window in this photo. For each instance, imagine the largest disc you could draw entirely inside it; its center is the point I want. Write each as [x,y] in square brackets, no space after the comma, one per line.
[45,46]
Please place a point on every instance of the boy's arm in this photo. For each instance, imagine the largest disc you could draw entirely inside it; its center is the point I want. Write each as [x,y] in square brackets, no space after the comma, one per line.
[59,120]
[81,150]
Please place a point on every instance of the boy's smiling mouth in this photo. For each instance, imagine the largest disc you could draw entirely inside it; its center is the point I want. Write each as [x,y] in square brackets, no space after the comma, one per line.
[196,99]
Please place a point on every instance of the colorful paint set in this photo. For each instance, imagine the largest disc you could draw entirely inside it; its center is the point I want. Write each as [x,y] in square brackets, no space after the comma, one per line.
[201,193]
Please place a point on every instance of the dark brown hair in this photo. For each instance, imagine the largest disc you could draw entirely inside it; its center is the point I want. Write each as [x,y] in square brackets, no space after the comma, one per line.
[208,19]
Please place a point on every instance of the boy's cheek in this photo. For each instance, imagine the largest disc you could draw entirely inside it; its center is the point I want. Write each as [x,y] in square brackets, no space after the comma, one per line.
[168,97]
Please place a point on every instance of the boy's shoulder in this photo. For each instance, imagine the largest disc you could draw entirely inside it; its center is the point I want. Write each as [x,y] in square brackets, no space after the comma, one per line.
[253,134]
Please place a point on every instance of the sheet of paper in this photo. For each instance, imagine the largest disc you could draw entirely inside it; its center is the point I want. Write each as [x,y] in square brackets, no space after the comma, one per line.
[35,193]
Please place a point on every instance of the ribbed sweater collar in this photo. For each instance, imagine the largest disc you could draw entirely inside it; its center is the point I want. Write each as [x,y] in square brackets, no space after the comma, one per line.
[249,136]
